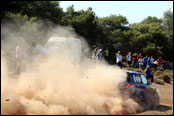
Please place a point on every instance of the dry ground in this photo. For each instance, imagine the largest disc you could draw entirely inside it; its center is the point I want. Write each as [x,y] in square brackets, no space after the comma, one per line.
[166,101]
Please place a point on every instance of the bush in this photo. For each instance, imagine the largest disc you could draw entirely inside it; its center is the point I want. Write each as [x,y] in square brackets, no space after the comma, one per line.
[157,81]
[124,64]
[160,69]
[169,73]
[166,79]
[157,73]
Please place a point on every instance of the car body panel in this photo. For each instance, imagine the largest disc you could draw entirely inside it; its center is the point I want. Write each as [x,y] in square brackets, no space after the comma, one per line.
[141,91]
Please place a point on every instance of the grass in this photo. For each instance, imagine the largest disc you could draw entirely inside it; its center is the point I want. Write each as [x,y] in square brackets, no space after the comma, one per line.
[135,69]
[157,81]
[166,76]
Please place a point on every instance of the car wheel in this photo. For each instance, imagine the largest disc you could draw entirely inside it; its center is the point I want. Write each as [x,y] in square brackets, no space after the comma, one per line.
[151,100]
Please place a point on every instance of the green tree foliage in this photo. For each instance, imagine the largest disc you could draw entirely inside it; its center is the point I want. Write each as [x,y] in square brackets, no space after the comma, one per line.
[44,10]
[114,22]
[168,23]
[85,24]
[152,36]
[168,29]
[115,26]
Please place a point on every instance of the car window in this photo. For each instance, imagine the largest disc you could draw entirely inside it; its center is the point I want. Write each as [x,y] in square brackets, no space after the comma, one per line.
[143,78]
[137,78]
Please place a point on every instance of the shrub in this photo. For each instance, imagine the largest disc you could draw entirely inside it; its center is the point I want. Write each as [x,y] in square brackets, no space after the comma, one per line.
[157,81]
[160,69]
[166,79]
[157,73]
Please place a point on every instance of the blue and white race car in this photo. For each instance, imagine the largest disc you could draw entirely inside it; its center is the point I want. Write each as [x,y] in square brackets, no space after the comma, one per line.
[140,90]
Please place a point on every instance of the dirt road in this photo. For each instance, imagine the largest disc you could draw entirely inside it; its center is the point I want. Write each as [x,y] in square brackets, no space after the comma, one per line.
[166,101]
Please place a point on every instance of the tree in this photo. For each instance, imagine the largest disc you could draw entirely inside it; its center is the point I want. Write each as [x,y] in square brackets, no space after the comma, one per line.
[151,19]
[168,24]
[115,27]
[168,29]
[45,10]
[150,37]
[85,24]
[12,6]
[113,22]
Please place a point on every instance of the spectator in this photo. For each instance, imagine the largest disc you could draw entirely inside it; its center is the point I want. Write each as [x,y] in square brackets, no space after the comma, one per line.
[153,63]
[145,61]
[151,59]
[18,58]
[148,73]
[106,54]
[94,53]
[100,54]
[134,60]
[160,61]
[97,52]
[129,59]
[119,59]
[18,52]
[139,56]
[140,61]
[148,62]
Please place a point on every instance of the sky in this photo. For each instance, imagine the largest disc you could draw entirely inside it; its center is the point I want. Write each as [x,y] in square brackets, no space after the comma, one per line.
[135,11]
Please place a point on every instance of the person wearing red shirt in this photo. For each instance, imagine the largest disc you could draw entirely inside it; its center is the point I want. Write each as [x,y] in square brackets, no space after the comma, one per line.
[139,56]
[160,61]
[135,60]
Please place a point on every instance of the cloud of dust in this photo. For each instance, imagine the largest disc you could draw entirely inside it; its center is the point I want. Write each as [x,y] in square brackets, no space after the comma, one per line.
[54,84]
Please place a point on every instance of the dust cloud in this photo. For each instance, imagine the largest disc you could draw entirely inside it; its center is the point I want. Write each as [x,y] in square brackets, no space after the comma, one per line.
[53,84]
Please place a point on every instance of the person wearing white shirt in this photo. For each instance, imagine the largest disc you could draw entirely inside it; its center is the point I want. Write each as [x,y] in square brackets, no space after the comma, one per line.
[151,59]
[119,59]
[140,61]
[18,52]
[129,59]
[18,58]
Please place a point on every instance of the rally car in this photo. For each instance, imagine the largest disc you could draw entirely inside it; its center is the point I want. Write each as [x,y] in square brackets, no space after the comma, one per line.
[140,90]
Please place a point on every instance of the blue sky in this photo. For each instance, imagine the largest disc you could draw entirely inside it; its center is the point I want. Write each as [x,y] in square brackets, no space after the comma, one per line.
[135,11]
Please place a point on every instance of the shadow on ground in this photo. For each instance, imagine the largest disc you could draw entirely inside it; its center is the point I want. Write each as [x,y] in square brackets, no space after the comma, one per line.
[160,110]
[163,108]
